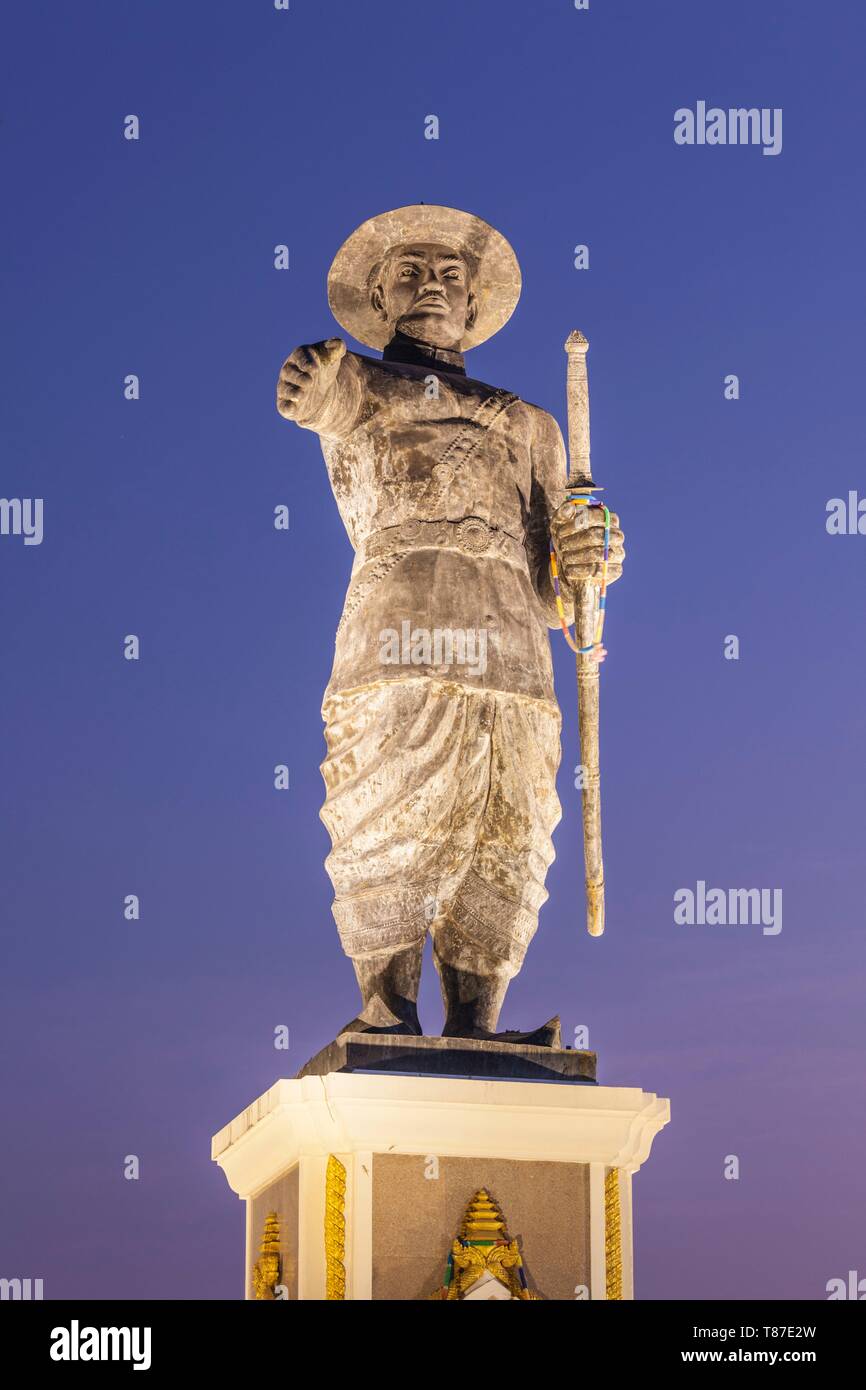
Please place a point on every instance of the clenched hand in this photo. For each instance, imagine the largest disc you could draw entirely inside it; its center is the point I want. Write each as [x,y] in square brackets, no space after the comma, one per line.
[578,538]
[307,378]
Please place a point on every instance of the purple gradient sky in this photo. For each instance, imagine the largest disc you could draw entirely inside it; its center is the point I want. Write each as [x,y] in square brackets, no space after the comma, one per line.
[261,127]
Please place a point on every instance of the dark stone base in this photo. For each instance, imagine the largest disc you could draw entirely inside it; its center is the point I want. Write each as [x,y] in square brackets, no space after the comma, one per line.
[497,1061]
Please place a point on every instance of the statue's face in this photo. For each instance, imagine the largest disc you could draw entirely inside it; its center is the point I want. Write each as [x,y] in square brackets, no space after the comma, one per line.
[425,291]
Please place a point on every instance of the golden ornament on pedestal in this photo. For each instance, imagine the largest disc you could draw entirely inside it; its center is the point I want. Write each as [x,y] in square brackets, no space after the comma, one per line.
[484,1262]
[268,1267]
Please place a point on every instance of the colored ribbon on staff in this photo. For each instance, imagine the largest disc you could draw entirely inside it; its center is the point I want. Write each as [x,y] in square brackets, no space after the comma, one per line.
[584,499]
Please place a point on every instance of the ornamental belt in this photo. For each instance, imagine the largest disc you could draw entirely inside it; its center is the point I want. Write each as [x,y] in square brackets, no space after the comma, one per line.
[382,550]
[471,536]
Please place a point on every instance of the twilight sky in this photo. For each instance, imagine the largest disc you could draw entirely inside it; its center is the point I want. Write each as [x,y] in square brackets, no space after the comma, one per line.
[155,777]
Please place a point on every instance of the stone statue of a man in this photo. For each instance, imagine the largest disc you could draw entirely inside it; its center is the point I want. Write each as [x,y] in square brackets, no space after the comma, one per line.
[441,721]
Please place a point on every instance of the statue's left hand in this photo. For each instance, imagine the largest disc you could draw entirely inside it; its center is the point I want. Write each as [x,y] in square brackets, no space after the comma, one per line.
[578,538]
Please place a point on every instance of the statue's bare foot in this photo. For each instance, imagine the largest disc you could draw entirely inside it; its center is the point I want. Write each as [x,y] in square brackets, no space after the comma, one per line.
[548,1035]
[399,1029]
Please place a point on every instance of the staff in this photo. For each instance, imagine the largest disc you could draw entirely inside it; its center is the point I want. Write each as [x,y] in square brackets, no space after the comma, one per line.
[589,609]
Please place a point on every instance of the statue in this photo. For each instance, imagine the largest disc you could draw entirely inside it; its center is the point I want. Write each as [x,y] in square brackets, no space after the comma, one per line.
[441,722]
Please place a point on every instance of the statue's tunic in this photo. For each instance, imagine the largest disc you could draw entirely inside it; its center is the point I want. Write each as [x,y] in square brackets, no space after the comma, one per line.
[441,722]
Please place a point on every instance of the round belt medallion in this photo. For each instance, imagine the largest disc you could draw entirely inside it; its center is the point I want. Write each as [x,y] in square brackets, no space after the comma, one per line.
[473,535]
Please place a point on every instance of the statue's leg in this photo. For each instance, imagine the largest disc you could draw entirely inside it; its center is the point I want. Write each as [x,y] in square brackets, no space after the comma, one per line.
[388,981]
[481,937]
[398,774]
[473,984]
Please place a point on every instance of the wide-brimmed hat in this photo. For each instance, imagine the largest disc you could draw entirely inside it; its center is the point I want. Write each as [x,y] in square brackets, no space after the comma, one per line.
[495,271]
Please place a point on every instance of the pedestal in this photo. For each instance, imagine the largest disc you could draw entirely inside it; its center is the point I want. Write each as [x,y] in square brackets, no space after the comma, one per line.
[358,1184]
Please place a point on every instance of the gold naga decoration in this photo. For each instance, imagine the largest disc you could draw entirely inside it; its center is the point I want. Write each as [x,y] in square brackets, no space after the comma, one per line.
[484,1248]
[612,1235]
[268,1267]
[335,1229]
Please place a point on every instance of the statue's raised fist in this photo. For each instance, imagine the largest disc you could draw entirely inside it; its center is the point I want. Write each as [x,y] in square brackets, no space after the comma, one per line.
[307,376]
